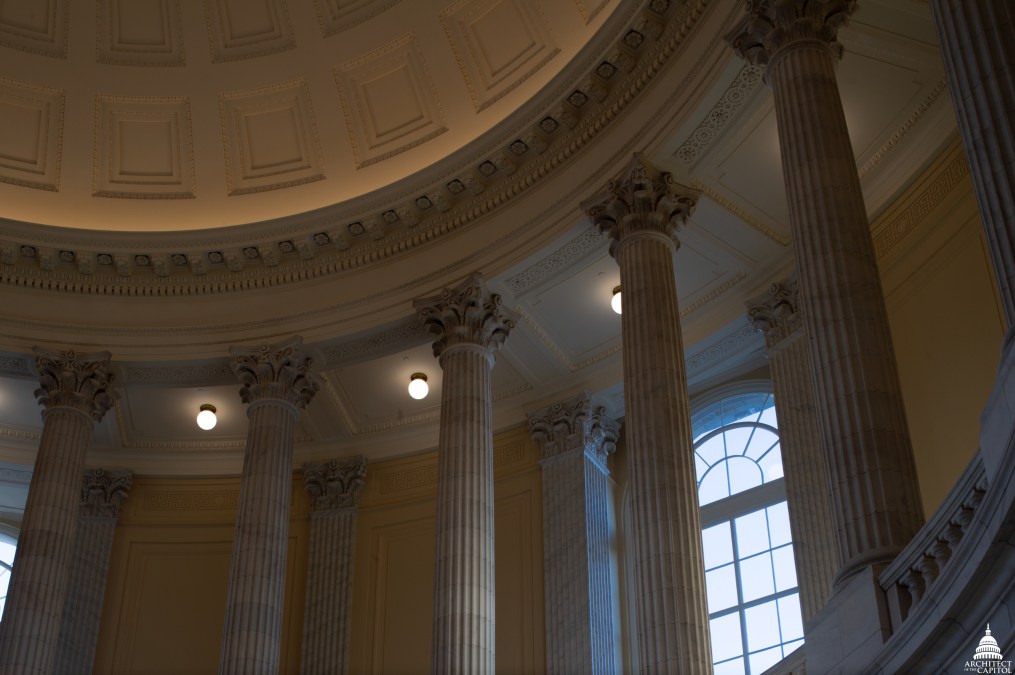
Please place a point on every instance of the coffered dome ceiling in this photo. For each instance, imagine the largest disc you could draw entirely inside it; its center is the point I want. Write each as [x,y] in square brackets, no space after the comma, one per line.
[179,176]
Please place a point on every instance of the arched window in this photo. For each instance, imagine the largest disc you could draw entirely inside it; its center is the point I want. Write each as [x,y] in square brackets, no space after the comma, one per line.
[750,576]
[8,544]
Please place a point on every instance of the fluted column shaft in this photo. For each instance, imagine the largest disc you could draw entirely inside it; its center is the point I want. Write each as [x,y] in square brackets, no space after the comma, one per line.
[875,494]
[641,211]
[74,391]
[979,57]
[575,439]
[102,492]
[469,324]
[276,385]
[335,487]
[253,625]
[673,620]
[464,612]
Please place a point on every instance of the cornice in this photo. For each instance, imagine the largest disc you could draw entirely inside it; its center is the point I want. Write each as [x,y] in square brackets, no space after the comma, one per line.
[599,85]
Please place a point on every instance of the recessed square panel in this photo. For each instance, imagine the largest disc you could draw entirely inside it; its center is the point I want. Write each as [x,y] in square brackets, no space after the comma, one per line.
[498,44]
[389,101]
[143,148]
[140,32]
[38,26]
[241,29]
[336,16]
[31,124]
[270,138]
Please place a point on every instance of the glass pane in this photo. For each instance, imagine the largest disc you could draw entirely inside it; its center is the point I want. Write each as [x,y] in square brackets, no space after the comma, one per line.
[762,440]
[789,618]
[700,467]
[785,569]
[712,450]
[734,667]
[768,417]
[726,640]
[7,549]
[756,577]
[736,440]
[717,545]
[721,589]
[762,626]
[744,474]
[752,534]
[778,524]
[714,486]
[771,464]
[762,661]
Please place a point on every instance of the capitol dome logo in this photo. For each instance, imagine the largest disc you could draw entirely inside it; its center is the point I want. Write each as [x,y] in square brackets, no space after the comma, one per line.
[988,657]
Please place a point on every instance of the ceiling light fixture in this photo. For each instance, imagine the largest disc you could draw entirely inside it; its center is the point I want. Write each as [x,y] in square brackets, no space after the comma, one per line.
[206,418]
[418,388]
[615,302]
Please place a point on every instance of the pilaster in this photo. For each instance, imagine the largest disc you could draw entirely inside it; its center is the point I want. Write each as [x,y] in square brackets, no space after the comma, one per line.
[102,493]
[335,487]
[778,316]
[575,437]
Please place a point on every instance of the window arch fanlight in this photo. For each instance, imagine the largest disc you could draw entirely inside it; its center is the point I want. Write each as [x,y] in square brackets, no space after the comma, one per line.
[750,576]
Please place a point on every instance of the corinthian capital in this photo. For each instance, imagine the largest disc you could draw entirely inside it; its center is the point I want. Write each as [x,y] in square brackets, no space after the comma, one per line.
[574,424]
[771,25]
[641,199]
[777,313]
[275,372]
[335,484]
[466,314]
[79,381]
[102,491]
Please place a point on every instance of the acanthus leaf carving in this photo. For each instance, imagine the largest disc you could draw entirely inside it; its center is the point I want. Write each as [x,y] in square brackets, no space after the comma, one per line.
[79,381]
[335,484]
[466,314]
[275,372]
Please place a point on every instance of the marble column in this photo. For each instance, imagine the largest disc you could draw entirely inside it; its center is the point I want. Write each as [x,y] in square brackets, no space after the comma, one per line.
[276,384]
[777,315]
[334,487]
[575,437]
[979,57]
[75,392]
[641,210]
[875,495]
[469,324]
[102,493]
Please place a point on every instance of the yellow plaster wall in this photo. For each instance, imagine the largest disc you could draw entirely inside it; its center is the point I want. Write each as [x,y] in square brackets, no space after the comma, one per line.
[165,598]
[946,322]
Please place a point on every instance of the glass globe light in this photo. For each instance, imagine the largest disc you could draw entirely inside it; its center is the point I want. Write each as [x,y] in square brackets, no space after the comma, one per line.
[615,302]
[206,418]
[418,388]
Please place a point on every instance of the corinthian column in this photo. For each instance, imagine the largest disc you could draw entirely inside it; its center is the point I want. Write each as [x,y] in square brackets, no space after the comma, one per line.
[75,392]
[979,57]
[469,325]
[575,437]
[335,488]
[276,384]
[777,315]
[875,496]
[102,492]
[641,210]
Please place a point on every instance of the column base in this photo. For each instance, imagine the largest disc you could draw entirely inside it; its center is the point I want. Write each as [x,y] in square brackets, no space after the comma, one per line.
[850,631]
